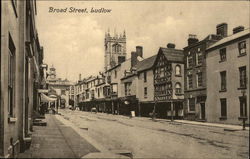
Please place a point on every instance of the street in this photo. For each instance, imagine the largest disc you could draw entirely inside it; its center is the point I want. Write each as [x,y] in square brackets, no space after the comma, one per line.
[159,139]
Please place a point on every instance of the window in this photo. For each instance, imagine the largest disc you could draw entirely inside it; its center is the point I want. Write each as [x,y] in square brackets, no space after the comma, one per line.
[242,48]
[190,82]
[145,76]
[223,81]
[178,88]
[189,61]
[92,94]
[243,77]
[98,92]
[127,88]
[223,103]
[178,70]
[116,48]
[115,73]
[243,106]
[199,58]
[11,75]
[223,54]
[191,104]
[199,79]
[114,88]
[145,92]
[63,92]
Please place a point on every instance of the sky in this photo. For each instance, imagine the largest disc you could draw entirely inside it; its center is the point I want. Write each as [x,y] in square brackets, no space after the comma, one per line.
[74,42]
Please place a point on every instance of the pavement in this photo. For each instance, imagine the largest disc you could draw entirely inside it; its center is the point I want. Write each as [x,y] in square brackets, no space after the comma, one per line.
[59,140]
[198,123]
[225,126]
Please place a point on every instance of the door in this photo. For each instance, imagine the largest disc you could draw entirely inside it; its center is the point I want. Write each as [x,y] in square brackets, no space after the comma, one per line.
[203,113]
[26,106]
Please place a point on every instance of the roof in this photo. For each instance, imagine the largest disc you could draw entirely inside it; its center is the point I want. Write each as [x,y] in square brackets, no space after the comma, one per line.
[173,54]
[230,38]
[146,63]
[110,69]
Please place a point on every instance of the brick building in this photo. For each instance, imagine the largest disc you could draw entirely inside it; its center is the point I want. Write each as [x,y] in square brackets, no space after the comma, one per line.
[195,74]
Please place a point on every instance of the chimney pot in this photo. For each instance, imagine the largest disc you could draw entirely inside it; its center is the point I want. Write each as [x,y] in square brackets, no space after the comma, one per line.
[139,51]
[192,39]
[171,45]
[238,29]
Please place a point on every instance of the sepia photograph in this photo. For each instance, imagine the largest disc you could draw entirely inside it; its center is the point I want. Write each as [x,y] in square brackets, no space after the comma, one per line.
[125,79]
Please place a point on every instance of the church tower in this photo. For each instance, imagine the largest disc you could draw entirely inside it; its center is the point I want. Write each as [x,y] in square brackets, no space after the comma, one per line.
[115,49]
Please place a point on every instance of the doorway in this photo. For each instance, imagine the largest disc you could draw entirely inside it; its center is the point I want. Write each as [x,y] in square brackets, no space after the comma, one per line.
[203,112]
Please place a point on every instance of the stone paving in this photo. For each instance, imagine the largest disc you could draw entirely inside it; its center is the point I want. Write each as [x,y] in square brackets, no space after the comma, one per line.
[57,140]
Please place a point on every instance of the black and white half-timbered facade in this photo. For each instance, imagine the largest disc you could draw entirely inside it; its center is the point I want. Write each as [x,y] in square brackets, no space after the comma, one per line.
[168,82]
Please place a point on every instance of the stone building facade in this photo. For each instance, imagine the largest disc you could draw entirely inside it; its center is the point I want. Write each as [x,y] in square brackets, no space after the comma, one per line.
[21,75]
[228,78]
[59,87]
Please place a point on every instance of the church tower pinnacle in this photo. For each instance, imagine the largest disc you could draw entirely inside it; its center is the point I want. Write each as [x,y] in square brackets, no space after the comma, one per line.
[115,49]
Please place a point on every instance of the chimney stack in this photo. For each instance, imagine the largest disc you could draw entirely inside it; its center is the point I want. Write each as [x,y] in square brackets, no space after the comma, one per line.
[171,45]
[192,39]
[80,77]
[139,51]
[221,29]
[133,58]
[238,29]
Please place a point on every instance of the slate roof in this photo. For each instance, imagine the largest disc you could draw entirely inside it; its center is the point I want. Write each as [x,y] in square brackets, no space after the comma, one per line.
[230,38]
[173,55]
[146,63]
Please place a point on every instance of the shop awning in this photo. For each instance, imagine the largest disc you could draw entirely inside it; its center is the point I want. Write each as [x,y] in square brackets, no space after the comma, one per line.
[45,98]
